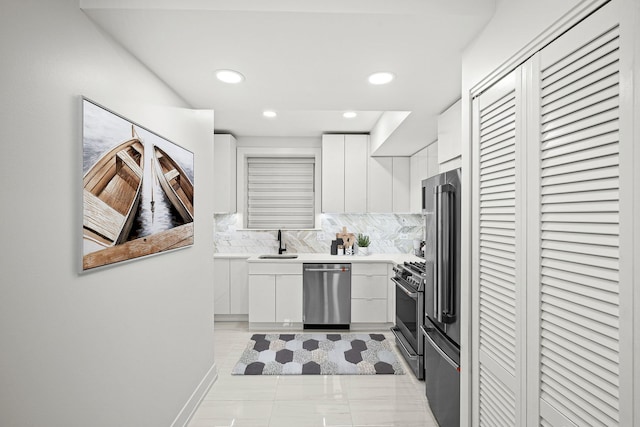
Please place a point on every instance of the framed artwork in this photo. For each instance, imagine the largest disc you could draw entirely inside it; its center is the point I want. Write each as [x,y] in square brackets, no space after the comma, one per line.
[137,190]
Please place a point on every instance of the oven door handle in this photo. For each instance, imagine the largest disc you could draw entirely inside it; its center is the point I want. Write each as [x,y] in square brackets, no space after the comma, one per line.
[400,340]
[412,295]
[441,352]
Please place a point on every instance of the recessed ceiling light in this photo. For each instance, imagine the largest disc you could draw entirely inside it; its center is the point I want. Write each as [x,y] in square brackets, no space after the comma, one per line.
[349,114]
[269,113]
[381,78]
[229,76]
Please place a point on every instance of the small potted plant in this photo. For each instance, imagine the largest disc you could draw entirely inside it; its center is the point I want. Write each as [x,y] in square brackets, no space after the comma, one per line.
[363,242]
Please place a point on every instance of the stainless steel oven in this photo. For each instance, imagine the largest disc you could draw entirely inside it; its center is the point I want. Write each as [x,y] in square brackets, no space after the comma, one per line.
[409,281]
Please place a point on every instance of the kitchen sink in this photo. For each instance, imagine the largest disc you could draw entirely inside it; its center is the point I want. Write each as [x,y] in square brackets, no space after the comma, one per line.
[276,256]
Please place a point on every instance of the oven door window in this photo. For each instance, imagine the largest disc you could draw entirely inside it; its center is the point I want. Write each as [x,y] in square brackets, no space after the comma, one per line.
[407,317]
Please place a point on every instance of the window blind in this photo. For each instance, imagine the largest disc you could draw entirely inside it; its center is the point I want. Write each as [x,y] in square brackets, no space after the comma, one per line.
[280,192]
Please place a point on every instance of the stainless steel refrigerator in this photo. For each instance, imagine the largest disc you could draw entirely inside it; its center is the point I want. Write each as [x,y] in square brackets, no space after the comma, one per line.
[441,330]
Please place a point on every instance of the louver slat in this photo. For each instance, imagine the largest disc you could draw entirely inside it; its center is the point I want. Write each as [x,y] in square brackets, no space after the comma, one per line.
[497,403]
[497,259]
[579,212]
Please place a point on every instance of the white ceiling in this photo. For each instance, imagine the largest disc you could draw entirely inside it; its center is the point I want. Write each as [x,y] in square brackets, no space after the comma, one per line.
[307,60]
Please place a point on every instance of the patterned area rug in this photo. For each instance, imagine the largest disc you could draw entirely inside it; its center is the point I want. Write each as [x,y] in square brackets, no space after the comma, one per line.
[318,354]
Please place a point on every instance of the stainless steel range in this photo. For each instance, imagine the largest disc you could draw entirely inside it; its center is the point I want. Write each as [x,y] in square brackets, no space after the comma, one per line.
[410,280]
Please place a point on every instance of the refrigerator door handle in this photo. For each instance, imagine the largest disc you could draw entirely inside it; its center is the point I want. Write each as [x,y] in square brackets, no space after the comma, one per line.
[435,346]
[444,272]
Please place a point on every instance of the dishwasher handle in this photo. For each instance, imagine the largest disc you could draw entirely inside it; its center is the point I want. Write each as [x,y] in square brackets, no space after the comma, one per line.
[341,269]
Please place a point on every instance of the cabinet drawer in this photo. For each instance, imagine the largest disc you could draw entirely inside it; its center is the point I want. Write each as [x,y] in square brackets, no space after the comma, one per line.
[368,310]
[369,269]
[369,286]
[275,268]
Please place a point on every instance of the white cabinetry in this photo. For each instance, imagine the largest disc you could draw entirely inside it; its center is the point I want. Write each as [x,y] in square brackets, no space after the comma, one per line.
[230,286]
[450,137]
[389,180]
[238,287]
[380,195]
[288,298]
[353,182]
[262,298]
[369,286]
[224,173]
[344,166]
[401,183]
[333,173]
[275,293]
[424,164]
[221,297]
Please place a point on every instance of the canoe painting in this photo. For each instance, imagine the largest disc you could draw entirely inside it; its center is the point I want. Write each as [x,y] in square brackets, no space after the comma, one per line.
[138,190]
[112,190]
[175,183]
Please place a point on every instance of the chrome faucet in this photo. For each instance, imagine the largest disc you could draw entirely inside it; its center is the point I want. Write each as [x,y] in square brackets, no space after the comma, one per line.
[281,248]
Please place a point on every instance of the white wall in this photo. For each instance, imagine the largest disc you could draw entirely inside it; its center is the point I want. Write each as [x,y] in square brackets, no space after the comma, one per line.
[514,26]
[122,346]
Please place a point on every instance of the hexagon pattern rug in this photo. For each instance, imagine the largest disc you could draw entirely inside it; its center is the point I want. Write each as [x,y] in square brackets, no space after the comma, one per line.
[318,354]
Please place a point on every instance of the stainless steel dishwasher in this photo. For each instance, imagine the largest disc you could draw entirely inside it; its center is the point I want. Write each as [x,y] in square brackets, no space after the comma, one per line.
[327,296]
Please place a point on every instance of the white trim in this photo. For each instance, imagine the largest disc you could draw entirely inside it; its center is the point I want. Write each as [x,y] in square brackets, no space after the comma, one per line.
[521,250]
[631,20]
[466,325]
[244,152]
[629,159]
[231,317]
[531,347]
[192,404]
[470,286]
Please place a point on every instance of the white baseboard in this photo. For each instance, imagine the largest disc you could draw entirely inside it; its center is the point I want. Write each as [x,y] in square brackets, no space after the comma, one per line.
[231,317]
[189,408]
[299,327]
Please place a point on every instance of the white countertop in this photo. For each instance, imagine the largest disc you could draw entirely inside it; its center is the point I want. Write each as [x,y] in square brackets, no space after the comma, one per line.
[232,256]
[328,258]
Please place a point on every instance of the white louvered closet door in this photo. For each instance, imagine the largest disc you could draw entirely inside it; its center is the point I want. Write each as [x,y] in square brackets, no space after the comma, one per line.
[497,276]
[577,216]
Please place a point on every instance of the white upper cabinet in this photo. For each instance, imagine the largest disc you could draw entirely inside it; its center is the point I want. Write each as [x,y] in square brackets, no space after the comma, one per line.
[380,199]
[353,182]
[356,148]
[424,164]
[344,171]
[450,137]
[333,173]
[224,173]
[389,179]
[401,182]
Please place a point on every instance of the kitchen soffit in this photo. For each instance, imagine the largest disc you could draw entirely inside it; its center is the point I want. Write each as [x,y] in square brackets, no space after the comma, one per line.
[309,61]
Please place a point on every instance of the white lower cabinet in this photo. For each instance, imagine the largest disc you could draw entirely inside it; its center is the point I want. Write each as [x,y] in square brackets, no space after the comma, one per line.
[230,286]
[288,299]
[369,285]
[368,310]
[275,293]
[221,297]
[238,287]
[262,298]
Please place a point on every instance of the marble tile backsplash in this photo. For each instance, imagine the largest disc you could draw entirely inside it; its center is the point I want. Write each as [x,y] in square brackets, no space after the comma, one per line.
[389,233]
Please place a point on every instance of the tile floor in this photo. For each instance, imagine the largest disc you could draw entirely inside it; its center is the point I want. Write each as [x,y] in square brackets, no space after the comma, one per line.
[306,400]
